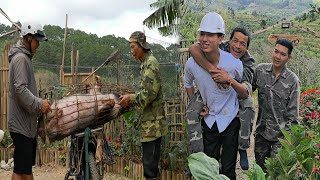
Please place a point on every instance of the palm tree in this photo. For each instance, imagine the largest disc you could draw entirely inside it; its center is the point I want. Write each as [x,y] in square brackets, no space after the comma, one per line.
[166,17]
[315,7]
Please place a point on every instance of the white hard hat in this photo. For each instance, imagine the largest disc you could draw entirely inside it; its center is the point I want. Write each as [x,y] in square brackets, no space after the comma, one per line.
[34,29]
[1,135]
[212,23]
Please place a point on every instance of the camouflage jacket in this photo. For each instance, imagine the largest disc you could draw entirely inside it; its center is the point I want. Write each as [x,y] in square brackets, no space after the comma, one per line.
[278,100]
[149,101]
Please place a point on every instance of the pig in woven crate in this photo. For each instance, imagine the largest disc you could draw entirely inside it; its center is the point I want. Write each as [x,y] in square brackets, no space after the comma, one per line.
[74,113]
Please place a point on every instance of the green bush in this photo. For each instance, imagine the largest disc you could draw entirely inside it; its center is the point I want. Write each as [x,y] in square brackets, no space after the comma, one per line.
[6,141]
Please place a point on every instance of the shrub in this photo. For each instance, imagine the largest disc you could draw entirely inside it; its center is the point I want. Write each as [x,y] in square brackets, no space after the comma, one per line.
[298,158]
[310,108]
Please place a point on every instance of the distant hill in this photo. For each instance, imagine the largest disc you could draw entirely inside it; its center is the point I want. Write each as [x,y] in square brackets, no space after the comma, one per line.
[93,51]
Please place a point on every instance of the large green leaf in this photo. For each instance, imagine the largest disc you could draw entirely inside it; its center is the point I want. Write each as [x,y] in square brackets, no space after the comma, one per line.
[255,172]
[203,167]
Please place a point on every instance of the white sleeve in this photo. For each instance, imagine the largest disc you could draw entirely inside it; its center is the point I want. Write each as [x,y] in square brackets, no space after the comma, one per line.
[188,75]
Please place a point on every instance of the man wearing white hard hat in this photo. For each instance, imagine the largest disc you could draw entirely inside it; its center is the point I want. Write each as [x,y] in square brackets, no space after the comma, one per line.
[24,103]
[220,126]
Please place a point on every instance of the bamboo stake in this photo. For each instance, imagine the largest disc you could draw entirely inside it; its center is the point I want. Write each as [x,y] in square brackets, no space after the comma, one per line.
[163,175]
[72,65]
[63,53]
[113,55]
[1,91]
[8,33]
[168,175]
[118,74]
[77,64]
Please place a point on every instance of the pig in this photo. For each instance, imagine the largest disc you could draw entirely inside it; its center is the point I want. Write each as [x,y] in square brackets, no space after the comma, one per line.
[74,113]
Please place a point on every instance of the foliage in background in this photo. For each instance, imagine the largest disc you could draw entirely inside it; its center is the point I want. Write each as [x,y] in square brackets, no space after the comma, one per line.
[131,139]
[255,173]
[298,158]
[166,16]
[6,141]
[176,153]
[93,51]
[310,108]
[46,78]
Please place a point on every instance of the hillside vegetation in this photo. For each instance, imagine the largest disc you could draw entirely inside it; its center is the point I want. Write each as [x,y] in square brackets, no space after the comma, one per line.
[93,51]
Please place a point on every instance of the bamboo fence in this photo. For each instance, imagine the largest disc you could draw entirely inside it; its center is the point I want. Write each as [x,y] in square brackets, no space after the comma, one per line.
[53,156]
[4,69]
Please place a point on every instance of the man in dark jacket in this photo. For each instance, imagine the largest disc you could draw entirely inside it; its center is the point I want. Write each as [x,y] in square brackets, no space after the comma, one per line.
[24,105]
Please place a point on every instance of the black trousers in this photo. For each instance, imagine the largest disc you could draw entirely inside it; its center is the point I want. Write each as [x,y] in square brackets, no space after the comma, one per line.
[151,157]
[223,146]
[24,154]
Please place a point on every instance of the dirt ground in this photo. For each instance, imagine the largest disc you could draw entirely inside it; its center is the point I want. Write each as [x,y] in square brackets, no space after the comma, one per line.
[49,172]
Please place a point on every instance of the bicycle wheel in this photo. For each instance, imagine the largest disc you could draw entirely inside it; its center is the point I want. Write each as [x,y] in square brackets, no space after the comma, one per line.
[95,171]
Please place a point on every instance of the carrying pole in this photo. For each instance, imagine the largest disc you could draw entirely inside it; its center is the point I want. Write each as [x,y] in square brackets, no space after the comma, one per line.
[113,55]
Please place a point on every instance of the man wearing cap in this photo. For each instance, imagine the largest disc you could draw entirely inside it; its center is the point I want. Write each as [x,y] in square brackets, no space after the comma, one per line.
[148,99]
[24,105]
[220,125]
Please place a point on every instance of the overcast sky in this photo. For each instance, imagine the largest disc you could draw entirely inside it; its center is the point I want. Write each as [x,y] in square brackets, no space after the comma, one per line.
[101,17]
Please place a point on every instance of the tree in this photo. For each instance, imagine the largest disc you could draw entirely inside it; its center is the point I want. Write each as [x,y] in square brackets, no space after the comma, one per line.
[315,8]
[263,23]
[166,17]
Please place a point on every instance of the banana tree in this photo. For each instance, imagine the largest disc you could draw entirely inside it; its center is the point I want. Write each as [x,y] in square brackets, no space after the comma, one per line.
[166,17]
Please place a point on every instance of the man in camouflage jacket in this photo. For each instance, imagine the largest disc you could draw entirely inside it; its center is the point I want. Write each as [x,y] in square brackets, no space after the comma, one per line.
[278,97]
[148,99]
[238,47]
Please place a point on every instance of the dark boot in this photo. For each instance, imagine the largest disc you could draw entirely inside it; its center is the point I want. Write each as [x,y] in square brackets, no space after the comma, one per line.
[243,159]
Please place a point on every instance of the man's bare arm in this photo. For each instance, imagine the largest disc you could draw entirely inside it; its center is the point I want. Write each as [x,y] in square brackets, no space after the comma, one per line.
[190,92]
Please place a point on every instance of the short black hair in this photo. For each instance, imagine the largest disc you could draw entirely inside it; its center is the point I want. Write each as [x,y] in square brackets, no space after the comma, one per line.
[242,30]
[286,43]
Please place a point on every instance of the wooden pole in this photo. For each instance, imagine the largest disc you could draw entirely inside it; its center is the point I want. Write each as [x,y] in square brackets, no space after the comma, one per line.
[63,53]
[76,69]
[1,90]
[72,64]
[118,74]
[113,55]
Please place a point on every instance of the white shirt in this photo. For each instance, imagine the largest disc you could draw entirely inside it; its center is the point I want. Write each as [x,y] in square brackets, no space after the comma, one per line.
[222,103]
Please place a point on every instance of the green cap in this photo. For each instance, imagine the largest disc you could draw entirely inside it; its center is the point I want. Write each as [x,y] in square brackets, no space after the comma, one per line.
[140,38]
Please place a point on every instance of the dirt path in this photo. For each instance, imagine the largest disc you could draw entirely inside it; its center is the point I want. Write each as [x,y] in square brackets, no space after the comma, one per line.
[48,172]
